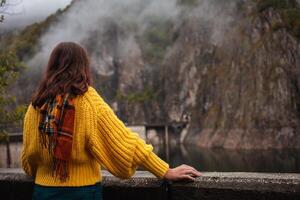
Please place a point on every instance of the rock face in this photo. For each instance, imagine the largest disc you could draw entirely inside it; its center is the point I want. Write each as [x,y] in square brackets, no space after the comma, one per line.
[233,70]
[242,92]
[241,87]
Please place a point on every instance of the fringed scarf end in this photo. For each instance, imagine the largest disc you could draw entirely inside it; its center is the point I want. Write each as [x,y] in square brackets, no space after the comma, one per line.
[60,169]
[56,132]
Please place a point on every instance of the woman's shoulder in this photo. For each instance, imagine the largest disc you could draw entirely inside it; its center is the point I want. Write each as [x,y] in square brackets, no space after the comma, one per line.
[92,98]
[91,89]
[92,94]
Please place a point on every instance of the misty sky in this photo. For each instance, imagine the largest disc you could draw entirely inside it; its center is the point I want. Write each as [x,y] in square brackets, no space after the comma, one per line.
[25,12]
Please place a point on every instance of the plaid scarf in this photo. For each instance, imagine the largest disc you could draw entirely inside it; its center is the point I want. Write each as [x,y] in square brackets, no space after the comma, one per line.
[56,132]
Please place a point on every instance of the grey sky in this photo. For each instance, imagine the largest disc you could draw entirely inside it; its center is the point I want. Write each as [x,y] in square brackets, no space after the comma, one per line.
[25,12]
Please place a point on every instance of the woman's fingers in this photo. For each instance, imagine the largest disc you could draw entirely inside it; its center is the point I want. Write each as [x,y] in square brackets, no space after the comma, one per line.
[186,167]
[197,172]
[191,173]
[183,172]
[188,177]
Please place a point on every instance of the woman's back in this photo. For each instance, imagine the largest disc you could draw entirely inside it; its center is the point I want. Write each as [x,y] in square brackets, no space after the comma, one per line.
[81,161]
[99,138]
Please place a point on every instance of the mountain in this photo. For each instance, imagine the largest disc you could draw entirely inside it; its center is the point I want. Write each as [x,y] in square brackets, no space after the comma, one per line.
[231,66]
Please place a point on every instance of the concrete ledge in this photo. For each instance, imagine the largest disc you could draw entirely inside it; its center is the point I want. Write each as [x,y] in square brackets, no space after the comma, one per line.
[211,185]
[289,183]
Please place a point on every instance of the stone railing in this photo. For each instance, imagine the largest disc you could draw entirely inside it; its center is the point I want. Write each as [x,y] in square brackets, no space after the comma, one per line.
[15,185]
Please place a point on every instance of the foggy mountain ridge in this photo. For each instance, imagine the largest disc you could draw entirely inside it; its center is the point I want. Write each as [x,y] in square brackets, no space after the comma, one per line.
[232,66]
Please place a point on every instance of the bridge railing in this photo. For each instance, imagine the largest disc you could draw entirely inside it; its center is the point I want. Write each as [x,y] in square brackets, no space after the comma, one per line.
[14,184]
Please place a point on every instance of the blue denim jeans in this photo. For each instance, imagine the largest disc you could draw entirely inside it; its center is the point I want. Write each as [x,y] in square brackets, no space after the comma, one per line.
[91,192]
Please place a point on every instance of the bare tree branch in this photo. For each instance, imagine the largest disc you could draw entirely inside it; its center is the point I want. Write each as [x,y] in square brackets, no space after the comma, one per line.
[5,5]
[2,7]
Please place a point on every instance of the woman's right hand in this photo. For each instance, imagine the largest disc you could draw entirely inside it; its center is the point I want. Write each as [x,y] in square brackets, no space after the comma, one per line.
[182,172]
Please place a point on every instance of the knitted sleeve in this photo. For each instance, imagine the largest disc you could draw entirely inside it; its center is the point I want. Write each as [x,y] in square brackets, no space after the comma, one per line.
[27,162]
[119,149]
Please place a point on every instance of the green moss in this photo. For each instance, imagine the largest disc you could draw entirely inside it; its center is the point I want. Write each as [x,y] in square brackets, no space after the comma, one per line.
[189,3]
[289,11]
[276,4]
[155,40]
[291,18]
[135,97]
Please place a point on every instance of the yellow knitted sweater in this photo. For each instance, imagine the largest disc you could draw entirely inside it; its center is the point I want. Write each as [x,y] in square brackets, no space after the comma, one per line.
[100,139]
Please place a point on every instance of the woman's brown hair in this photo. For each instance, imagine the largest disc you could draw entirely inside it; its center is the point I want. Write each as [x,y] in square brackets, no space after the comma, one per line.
[68,71]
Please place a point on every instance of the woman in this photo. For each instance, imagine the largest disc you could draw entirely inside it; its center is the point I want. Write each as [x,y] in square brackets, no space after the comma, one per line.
[69,132]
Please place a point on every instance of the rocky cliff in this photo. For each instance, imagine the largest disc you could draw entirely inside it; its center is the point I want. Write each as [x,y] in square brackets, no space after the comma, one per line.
[242,92]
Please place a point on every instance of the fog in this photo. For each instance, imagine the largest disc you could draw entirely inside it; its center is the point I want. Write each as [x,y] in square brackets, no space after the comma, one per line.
[87,17]
[20,13]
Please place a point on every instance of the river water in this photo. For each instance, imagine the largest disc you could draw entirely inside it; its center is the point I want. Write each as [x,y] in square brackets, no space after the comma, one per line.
[205,159]
[221,160]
